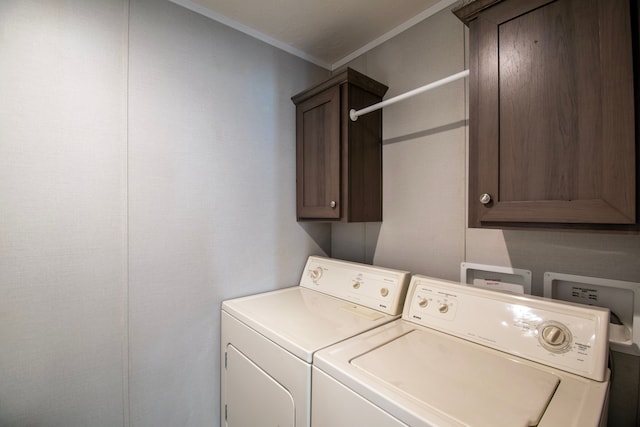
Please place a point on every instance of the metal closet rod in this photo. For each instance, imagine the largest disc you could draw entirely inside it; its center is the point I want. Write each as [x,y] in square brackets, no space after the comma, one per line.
[353,114]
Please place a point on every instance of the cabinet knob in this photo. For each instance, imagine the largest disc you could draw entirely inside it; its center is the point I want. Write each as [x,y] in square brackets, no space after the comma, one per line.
[485,198]
[332,204]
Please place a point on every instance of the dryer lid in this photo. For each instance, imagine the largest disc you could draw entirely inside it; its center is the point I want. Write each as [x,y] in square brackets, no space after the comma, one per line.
[466,382]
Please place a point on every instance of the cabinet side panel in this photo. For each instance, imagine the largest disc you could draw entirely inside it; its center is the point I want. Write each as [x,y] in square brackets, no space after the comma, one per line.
[362,159]
[620,140]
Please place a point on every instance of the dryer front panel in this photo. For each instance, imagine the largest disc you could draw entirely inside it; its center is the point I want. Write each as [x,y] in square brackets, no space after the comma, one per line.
[256,366]
[254,398]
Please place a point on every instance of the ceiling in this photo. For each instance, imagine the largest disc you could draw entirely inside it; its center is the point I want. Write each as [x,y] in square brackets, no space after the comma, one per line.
[328,33]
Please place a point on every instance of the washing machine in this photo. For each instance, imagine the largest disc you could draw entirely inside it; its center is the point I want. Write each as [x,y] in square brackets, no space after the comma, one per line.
[268,340]
[464,356]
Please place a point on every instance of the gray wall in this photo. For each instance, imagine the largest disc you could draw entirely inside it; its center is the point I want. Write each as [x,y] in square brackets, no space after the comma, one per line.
[147,172]
[425,139]
[424,160]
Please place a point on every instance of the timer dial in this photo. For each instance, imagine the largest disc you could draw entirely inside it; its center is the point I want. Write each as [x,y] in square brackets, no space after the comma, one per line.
[555,337]
[315,274]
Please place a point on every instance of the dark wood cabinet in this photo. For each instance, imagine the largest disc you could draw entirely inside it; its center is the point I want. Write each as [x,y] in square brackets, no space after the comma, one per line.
[339,161]
[552,124]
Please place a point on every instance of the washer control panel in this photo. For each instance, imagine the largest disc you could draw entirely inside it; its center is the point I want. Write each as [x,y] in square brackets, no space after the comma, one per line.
[378,288]
[566,336]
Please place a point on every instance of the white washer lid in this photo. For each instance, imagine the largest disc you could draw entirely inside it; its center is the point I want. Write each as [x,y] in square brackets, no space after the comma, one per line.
[303,321]
[461,380]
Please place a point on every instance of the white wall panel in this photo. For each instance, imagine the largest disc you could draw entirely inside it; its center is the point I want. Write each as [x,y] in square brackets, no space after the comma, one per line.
[62,212]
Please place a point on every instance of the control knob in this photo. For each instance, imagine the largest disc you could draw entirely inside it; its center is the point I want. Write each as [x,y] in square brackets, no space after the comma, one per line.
[315,274]
[555,337]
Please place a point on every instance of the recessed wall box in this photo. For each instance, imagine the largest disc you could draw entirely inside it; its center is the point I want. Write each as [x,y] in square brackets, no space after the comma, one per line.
[497,278]
[622,298]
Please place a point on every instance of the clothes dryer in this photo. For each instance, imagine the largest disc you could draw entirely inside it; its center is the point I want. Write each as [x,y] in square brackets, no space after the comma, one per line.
[268,340]
[463,356]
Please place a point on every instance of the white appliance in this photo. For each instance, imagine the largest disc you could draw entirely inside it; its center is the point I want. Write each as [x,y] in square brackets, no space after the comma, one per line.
[463,356]
[268,340]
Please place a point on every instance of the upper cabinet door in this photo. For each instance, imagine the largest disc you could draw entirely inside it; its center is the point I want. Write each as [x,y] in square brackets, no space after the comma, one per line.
[318,156]
[552,136]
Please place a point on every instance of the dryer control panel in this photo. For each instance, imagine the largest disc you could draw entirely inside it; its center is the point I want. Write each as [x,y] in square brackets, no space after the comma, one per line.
[570,337]
[378,288]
